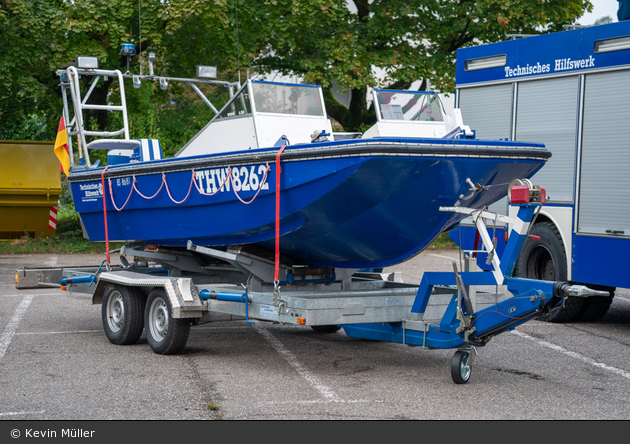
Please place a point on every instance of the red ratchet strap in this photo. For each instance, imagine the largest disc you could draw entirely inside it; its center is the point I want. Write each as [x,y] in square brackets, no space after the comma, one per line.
[277,267]
[105,213]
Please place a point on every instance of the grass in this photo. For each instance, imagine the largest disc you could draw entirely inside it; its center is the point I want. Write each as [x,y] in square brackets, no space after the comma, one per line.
[53,245]
[213,406]
[443,242]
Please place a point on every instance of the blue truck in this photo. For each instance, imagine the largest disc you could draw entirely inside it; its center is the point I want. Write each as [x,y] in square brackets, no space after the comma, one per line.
[570,91]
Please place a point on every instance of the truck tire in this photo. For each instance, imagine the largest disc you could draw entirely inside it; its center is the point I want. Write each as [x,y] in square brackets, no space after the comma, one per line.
[122,313]
[595,307]
[165,335]
[543,257]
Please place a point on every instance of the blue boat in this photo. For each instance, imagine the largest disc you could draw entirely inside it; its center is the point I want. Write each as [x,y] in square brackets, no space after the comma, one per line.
[268,168]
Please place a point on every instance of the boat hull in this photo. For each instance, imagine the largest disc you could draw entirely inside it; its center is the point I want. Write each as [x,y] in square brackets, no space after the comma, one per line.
[349,205]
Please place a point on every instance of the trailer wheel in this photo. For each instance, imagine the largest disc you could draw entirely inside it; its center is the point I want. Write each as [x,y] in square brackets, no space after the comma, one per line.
[122,314]
[545,259]
[326,328]
[460,367]
[165,335]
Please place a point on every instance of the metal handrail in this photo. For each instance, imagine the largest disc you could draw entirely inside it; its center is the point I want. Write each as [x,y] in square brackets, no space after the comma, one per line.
[70,80]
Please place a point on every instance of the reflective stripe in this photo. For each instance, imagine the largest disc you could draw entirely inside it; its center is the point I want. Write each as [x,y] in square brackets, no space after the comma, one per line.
[52,218]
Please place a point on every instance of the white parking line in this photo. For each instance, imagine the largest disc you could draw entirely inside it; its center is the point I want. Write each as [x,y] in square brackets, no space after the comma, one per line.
[321,401]
[57,332]
[325,391]
[575,355]
[22,413]
[33,294]
[12,326]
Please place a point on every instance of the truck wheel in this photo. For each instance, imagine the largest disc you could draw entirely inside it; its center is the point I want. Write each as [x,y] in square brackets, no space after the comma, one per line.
[596,307]
[122,314]
[545,259]
[165,335]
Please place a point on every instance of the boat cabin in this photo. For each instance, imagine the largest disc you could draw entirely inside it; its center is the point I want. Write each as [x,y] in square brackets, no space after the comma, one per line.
[414,114]
[264,114]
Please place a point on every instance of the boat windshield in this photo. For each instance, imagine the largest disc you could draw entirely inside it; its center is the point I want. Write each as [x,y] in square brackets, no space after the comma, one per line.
[409,105]
[280,98]
[238,106]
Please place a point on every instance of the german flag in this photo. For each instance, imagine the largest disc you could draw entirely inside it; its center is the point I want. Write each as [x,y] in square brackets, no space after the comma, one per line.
[61,148]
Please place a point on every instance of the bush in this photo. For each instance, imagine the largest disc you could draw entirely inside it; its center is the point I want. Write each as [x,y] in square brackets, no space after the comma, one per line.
[68,220]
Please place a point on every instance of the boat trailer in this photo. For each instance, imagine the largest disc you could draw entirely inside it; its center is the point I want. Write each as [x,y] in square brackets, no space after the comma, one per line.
[164,291]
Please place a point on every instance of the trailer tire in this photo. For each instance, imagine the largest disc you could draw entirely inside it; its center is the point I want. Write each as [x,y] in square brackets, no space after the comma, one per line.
[460,367]
[543,257]
[122,313]
[165,335]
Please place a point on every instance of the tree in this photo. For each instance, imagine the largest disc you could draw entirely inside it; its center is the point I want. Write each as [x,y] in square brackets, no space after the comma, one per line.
[328,41]
[41,36]
[603,20]
[356,44]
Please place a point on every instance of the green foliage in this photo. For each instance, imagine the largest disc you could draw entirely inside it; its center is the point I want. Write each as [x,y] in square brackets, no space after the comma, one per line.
[41,36]
[407,40]
[323,41]
[28,127]
[443,242]
[68,223]
[54,244]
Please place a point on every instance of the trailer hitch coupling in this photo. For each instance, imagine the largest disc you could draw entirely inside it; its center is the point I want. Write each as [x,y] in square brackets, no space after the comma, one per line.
[564,289]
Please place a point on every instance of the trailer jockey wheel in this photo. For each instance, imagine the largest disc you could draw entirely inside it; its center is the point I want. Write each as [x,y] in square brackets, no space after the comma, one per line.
[165,335]
[122,310]
[461,366]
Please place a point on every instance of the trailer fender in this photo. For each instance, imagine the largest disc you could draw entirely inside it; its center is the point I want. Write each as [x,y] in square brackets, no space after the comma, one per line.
[181,292]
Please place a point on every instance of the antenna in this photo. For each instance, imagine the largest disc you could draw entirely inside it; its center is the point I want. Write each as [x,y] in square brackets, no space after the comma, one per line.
[238,49]
[140,36]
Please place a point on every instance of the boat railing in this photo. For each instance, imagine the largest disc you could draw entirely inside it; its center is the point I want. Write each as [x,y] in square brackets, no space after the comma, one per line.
[74,112]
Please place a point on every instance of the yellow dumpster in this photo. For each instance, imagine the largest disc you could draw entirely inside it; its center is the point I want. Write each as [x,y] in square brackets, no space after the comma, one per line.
[30,186]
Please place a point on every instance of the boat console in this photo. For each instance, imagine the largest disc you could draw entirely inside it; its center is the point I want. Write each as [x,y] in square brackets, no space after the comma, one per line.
[263,114]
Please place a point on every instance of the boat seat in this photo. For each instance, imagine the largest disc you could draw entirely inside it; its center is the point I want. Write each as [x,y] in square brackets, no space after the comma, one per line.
[149,149]
[113,144]
[140,150]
